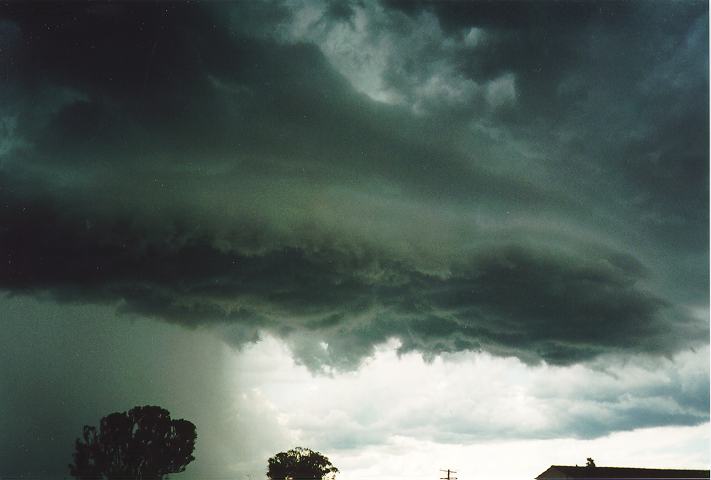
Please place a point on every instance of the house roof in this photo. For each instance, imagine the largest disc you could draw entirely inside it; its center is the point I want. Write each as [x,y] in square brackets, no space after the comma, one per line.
[615,473]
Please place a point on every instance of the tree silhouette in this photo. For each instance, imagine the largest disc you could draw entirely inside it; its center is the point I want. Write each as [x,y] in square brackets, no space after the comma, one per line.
[300,464]
[141,444]
[590,462]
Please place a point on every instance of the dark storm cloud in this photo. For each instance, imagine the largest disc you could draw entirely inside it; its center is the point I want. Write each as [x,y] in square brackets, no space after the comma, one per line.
[511,300]
[176,162]
[609,96]
[536,40]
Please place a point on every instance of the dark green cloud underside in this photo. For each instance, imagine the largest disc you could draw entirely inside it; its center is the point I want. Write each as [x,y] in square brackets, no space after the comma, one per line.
[178,162]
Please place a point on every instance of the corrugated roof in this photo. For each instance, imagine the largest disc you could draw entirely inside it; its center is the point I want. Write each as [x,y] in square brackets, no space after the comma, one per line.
[565,471]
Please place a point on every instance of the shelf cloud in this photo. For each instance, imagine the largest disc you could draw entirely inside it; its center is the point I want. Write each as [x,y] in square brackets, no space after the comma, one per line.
[462,180]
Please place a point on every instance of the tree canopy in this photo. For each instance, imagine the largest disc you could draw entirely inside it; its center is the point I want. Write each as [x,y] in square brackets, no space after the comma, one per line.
[300,464]
[142,444]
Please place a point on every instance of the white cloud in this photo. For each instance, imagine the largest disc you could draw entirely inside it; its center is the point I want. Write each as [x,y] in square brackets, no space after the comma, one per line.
[355,48]
[501,91]
[397,414]
[669,447]
[397,59]
[474,37]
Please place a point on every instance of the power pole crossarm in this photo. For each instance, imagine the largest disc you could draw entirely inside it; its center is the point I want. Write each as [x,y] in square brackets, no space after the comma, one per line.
[449,475]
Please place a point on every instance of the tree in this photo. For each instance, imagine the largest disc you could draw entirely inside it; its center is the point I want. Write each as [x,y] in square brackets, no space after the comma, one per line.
[141,444]
[300,464]
[590,462]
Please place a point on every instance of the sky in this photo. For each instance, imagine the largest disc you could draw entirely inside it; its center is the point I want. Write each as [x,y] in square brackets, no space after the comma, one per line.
[410,235]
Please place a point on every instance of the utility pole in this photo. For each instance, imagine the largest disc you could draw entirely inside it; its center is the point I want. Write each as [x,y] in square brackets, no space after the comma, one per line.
[449,475]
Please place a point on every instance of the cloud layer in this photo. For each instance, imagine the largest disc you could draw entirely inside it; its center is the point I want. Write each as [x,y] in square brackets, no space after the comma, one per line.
[465,398]
[339,175]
